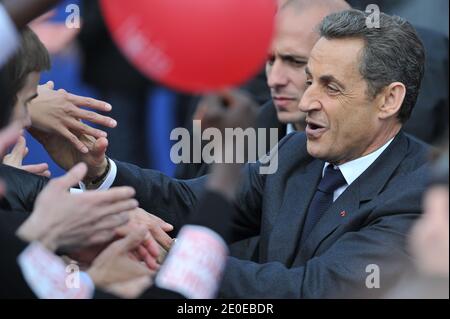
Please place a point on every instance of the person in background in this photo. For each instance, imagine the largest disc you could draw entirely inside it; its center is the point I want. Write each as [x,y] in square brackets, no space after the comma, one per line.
[284,73]
[429,239]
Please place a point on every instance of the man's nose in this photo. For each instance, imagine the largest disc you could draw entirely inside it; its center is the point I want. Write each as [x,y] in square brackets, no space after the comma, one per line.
[310,100]
[276,75]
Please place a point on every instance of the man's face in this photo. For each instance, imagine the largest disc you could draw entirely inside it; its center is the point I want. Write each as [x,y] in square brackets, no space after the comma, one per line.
[342,121]
[285,68]
[24,97]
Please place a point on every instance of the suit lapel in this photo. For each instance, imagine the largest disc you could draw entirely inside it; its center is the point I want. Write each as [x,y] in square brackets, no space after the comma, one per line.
[298,193]
[364,188]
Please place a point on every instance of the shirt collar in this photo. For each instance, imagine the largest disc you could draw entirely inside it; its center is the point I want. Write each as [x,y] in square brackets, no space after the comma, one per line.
[290,128]
[353,169]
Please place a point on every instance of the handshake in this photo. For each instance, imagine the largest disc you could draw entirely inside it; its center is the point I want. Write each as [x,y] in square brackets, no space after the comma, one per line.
[120,245]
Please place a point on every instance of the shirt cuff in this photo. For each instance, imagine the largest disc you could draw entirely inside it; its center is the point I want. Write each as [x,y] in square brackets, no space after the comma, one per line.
[9,36]
[109,180]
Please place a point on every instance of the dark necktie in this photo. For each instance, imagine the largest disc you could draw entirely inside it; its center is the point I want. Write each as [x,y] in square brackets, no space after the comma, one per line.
[323,198]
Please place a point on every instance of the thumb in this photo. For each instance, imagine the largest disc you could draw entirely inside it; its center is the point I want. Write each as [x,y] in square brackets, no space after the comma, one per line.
[18,152]
[50,85]
[100,146]
[9,136]
[72,177]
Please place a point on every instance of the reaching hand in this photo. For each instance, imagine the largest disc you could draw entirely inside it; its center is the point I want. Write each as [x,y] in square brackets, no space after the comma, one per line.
[8,136]
[227,109]
[60,112]
[117,271]
[64,220]
[18,153]
[56,36]
[66,155]
[158,228]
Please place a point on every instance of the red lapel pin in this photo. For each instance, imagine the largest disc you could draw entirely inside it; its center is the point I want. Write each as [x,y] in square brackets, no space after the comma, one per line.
[343,213]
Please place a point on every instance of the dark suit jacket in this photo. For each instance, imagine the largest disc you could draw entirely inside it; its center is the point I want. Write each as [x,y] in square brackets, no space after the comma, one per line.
[13,284]
[380,207]
[22,188]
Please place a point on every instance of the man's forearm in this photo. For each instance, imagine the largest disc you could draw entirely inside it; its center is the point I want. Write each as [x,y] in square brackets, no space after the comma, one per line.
[168,198]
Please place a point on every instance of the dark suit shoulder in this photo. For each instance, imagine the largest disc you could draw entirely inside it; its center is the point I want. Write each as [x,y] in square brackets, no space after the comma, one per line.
[417,154]
[293,146]
[23,188]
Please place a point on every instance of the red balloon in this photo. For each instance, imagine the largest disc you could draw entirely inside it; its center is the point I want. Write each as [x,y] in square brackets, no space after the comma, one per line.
[193,45]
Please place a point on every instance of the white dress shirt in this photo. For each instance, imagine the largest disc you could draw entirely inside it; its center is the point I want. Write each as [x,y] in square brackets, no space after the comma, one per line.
[290,128]
[107,183]
[353,169]
[9,36]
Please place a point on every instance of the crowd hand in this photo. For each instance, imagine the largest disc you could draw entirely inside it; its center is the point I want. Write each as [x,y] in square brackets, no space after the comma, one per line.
[157,227]
[65,221]
[66,155]
[149,251]
[158,230]
[8,136]
[56,36]
[226,109]
[116,271]
[18,153]
[60,112]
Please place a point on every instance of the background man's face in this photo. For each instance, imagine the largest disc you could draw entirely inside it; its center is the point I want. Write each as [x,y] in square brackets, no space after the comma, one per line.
[24,96]
[287,60]
[342,120]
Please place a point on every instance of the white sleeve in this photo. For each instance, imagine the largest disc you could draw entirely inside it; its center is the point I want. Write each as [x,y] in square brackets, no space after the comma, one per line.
[109,180]
[195,264]
[49,278]
[9,36]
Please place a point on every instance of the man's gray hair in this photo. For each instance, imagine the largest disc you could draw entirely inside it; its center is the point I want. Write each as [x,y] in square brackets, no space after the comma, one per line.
[393,52]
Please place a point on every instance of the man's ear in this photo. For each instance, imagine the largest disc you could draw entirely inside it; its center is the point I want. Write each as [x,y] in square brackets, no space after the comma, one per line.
[391,101]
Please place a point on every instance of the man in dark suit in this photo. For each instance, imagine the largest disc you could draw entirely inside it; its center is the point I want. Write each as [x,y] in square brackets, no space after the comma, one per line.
[333,218]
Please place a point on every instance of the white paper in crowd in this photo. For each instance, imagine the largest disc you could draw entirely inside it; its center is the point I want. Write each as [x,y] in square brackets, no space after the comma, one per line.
[195,263]
[50,278]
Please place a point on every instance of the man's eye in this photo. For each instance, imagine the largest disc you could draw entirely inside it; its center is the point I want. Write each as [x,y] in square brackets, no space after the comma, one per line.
[270,59]
[332,89]
[299,63]
[308,82]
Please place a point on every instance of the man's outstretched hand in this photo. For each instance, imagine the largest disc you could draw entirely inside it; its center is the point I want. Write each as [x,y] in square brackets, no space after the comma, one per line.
[66,155]
[16,156]
[116,269]
[60,112]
